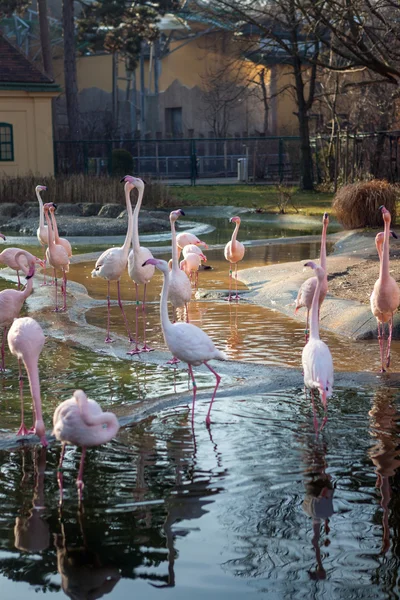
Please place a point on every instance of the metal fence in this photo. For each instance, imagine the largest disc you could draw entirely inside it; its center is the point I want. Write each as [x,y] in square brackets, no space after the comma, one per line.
[341,158]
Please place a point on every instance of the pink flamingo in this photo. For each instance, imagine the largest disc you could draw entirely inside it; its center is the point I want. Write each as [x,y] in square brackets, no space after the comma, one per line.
[3,237]
[42,232]
[58,240]
[186,341]
[139,274]
[307,289]
[57,257]
[179,288]
[11,302]
[193,249]
[82,422]
[26,340]
[7,257]
[234,252]
[191,264]
[185,238]
[316,357]
[112,263]
[385,297]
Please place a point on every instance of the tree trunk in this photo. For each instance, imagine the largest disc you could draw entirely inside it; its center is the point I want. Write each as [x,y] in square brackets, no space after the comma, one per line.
[71,87]
[45,44]
[306,169]
[265,101]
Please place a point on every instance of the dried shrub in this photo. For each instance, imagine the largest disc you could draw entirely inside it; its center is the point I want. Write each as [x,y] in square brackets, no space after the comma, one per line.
[357,205]
[78,188]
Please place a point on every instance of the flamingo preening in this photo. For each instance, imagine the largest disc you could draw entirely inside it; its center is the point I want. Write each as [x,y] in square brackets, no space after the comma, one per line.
[385,297]
[26,340]
[191,264]
[186,341]
[82,422]
[139,274]
[8,257]
[316,357]
[234,252]
[58,258]
[112,263]
[11,301]
[306,292]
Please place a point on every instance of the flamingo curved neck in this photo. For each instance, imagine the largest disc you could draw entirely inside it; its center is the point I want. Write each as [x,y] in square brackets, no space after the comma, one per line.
[175,265]
[234,234]
[384,266]
[128,239]
[314,325]
[323,248]
[165,320]
[91,420]
[51,234]
[41,209]
[135,231]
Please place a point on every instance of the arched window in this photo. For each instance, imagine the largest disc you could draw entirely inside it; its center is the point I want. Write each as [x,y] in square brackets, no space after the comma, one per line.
[6,142]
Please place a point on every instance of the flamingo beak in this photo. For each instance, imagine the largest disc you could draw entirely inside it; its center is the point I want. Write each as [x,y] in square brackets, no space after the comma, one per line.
[150,261]
[393,234]
[203,257]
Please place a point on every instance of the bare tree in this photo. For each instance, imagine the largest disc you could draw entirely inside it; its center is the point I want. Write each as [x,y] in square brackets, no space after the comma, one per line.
[71,86]
[47,54]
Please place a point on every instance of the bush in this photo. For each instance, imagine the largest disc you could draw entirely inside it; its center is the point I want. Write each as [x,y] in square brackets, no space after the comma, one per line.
[121,162]
[357,205]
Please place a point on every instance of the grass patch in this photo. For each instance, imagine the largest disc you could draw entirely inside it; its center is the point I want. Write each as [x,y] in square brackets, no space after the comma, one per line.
[251,196]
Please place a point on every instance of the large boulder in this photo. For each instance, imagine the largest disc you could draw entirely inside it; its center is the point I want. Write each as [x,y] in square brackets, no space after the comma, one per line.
[110,211]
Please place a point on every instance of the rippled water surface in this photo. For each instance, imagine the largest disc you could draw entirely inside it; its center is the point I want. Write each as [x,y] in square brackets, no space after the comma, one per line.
[255,504]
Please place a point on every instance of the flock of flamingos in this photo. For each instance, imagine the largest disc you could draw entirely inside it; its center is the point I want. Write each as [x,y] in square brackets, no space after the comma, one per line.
[81,421]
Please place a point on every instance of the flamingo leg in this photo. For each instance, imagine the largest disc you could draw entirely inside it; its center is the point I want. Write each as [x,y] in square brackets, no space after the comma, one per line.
[218,379]
[3,348]
[79,481]
[173,360]
[56,289]
[60,474]
[187,312]
[145,348]
[381,344]
[314,412]
[307,325]
[19,281]
[22,430]
[237,297]
[325,405]
[194,391]
[123,312]
[230,282]
[389,342]
[136,350]
[108,340]
[44,267]
[64,290]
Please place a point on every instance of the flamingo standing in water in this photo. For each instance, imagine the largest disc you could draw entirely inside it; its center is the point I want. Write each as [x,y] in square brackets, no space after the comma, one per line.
[234,252]
[42,231]
[82,422]
[316,357]
[307,289]
[179,288]
[58,240]
[385,297]
[112,263]
[186,341]
[139,274]
[26,340]
[57,256]
[191,264]
[185,238]
[7,257]
[11,302]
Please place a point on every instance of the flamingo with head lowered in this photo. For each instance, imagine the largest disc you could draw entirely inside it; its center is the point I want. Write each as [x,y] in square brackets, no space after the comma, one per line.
[139,274]
[82,422]
[8,257]
[234,252]
[307,289]
[316,357]
[112,263]
[11,301]
[186,341]
[185,238]
[26,340]
[385,297]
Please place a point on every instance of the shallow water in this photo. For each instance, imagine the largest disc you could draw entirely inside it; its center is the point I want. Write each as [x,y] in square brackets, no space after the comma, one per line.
[236,510]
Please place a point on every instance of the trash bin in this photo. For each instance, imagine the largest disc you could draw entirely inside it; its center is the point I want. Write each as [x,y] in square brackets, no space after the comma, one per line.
[242,169]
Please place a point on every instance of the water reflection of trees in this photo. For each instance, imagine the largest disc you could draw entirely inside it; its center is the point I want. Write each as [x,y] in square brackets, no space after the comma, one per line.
[154,461]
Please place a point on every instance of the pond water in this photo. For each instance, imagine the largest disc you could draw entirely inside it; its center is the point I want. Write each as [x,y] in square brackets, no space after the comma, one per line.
[254,505]
[257,504]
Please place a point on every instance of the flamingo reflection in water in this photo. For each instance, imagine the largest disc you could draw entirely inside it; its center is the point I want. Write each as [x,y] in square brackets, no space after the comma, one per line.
[385,454]
[32,532]
[318,501]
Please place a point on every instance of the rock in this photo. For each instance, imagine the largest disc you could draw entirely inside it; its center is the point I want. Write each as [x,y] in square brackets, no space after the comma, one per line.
[69,210]
[217,294]
[91,209]
[30,210]
[110,211]
[9,209]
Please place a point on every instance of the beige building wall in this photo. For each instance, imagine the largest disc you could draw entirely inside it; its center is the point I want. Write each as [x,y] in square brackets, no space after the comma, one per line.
[29,113]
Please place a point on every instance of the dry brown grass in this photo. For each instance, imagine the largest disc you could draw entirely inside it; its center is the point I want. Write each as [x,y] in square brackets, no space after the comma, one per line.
[78,188]
[357,205]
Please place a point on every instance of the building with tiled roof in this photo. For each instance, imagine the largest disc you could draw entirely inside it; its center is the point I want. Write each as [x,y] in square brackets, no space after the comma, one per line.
[26,131]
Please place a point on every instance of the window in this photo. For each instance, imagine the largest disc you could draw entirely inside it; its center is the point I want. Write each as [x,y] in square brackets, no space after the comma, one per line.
[173,120]
[6,142]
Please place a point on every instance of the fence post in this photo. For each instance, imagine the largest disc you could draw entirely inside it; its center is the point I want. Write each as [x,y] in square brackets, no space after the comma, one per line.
[85,158]
[280,160]
[109,154]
